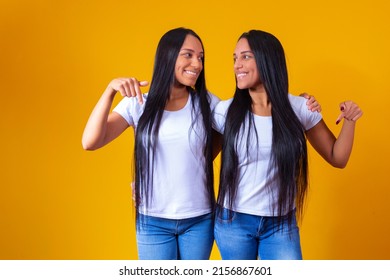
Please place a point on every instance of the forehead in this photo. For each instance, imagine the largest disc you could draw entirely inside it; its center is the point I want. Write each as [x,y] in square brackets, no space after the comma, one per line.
[192,43]
[242,46]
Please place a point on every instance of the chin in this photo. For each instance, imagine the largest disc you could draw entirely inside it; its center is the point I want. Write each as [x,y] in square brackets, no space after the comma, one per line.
[190,83]
[241,86]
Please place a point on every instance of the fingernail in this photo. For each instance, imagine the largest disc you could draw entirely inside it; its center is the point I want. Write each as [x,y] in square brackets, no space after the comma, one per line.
[338,121]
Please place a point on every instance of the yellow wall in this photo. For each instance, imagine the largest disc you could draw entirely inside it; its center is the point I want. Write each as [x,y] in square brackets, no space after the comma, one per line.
[58,201]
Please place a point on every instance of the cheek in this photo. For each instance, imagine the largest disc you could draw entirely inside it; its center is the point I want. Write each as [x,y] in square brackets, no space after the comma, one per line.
[177,70]
[258,80]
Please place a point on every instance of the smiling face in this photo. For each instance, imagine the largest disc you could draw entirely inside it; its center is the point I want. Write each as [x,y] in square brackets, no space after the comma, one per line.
[189,62]
[245,68]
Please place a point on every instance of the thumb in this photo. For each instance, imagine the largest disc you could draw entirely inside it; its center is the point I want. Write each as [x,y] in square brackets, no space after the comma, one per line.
[143,83]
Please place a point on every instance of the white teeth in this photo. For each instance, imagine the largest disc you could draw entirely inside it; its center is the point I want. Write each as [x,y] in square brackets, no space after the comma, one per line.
[240,75]
[191,73]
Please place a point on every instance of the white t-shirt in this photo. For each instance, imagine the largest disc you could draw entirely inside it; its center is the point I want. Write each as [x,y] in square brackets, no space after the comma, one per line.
[253,196]
[179,181]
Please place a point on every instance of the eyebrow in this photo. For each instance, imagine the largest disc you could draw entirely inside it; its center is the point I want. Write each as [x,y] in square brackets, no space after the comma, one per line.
[244,52]
[190,50]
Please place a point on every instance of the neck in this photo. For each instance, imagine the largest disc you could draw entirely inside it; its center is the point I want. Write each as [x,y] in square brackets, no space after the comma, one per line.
[177,99]
[178,92]
[260,103]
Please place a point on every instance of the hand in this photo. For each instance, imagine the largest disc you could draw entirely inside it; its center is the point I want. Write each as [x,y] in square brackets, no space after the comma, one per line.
[129,87]
[312,103]
[349,111]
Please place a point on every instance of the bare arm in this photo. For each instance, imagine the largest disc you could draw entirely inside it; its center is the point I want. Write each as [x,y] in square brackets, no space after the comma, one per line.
[336,151]
[102,126]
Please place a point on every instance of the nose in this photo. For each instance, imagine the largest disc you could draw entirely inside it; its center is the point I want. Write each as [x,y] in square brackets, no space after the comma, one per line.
[237,64]
[197,63]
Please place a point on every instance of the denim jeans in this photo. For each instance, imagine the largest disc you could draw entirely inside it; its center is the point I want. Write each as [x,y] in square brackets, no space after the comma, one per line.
[168,239]
[250,237]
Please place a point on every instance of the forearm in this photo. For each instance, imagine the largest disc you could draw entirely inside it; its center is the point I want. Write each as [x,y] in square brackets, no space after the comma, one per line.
[96,127]
[336,151]
[342,148]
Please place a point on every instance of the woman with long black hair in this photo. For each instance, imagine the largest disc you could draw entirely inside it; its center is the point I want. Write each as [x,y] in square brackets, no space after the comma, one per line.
[173,189]
[264,166]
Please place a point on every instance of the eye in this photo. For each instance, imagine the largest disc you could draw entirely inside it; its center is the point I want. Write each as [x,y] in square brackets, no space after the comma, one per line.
[186,54]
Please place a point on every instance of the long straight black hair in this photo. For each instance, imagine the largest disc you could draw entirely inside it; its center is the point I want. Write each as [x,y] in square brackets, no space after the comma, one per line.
[289,150]
[161,85]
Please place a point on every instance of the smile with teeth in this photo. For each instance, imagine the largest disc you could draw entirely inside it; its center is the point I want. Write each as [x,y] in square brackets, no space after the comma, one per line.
[192,73]
[241,75]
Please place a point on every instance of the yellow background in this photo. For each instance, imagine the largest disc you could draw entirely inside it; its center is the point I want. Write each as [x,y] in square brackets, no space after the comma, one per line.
[58,201]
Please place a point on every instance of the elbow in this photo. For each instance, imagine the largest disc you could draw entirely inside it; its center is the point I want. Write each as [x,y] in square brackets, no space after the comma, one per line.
[340,165]
[339,161]
[86,148]
[87,145]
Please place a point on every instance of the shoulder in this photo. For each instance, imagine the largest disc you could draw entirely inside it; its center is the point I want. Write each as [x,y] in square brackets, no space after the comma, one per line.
[131,103]
[223,106]
[219,115]
[130,108]
[296,101]
[307,118]
[214,100]
[212,96]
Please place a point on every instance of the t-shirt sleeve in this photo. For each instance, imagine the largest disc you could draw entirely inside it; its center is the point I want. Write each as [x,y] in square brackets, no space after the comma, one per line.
[307,118]
[219,115]
[130,109]
[214,100]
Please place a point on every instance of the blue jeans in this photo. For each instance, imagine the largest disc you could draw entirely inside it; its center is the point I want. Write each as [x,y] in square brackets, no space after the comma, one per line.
[168,239]
[250,237]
